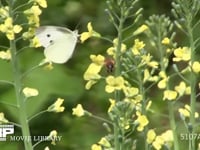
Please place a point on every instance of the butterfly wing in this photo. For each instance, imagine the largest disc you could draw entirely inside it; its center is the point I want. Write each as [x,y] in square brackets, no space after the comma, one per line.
[59,42]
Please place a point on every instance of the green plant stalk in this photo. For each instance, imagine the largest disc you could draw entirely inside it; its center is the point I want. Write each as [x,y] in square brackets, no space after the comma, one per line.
[19,97]
[193,82]
[118,145]
[170,105]
[173,124]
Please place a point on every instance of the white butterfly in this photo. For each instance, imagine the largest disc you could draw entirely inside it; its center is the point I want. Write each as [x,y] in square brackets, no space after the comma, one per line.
[59,42]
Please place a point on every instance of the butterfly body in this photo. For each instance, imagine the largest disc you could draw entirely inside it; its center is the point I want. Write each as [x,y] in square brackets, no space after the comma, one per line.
[59,42]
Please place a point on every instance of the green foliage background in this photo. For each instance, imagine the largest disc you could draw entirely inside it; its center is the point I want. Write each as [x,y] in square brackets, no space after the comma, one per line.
[66,81]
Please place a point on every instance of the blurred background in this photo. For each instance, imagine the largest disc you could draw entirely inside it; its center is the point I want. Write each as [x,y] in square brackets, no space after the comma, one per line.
[66,80]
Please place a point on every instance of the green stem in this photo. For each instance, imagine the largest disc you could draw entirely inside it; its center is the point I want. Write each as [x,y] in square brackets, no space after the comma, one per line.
[117,144]
[19,97]
[193,82]
[173,124]
[32,117]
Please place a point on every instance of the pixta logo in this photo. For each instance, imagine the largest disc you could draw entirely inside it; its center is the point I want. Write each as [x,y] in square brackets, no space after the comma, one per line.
[5,130]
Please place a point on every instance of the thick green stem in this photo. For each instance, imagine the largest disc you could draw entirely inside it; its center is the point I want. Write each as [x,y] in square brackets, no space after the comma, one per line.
[173,124]
[193,83]
[19,97]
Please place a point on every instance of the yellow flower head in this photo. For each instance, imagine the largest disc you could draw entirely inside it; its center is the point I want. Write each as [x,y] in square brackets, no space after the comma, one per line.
[2,118]
[56,107]
[99,59]
[142,121]
[158,142]
[53,136]
[166,41]
[196,67]
[114,83]
[30,92]
[141,29]
[9,29]
[78,111]
[168,136]
[182,54]
[170,95]
[138,46]
[104,142]
[96,147]
[4,12]
[90,33]
[151,135]
[185,112]
[6,55]
[182,89]
[130,91]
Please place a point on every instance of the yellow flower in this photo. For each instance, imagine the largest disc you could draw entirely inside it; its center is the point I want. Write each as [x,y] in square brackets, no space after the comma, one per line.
[196,67]
[6,55]
[185,112]
[56,107]
[112,104]
[4,12]
[141,29]
[162,83]
[33,15]
[166,41]
[142,121]
[9,28]
[183,54]
[130,91]
[104,142]
[112,50]
[148,77]
[42,3]
[90,33]
[182,89]
[151,135]
[98,60]
[168,136]
[158,143]
[169,95]
[34,42]
[96,147]
[78,111]
[30,92]
[138,45]
[53,136]
[92,72]
[114,83]
[2,118]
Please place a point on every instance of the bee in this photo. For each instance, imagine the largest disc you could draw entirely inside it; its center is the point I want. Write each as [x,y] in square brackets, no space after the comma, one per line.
[109,64]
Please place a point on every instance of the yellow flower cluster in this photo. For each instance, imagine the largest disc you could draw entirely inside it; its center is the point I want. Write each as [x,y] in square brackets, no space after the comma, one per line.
[9,29]
[32,15]
[92,73]
[5,55]
[186,111]
[112,50]
[138,46]
[157,142]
